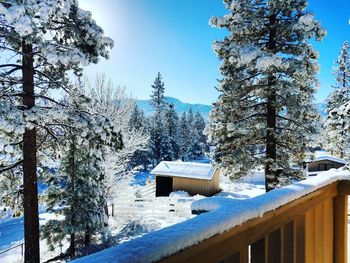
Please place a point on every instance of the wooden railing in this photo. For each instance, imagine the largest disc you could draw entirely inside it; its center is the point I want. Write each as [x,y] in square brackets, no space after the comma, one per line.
[311,229]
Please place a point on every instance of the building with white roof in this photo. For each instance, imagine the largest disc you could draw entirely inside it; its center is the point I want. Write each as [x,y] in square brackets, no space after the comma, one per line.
[323,161]
[194,178]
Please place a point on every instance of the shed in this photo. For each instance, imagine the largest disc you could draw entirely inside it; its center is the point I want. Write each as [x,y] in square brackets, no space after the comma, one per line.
[194,178]
[323,162]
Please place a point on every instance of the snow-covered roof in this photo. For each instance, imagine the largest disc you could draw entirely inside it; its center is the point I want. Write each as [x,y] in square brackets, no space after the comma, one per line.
[185,169]
[322,155]
[224,214]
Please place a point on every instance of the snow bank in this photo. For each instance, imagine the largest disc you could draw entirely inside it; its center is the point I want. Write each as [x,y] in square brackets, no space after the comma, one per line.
[179,193]
[225,214]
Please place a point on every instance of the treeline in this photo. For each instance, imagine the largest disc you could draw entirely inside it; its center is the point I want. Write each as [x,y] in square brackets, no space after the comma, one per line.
[171,137]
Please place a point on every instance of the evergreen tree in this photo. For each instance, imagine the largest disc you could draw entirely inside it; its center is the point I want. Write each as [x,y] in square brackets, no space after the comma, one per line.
[43,40]
[199,125]
[336,139]
[196,147]
[157,95]
[160,141]
[79,204]
[190,117]
[139,123]
[77,194]
[184,136]
[171,126]
[337,131]
[137,119]
[156,136]
[166,151]
[265,109]
[341,93]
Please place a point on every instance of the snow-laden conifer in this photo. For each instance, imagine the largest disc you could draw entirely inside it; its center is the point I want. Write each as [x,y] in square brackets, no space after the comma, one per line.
[264,113]
[336,138]
[41,41]
[77,193]
[157,95]
[171,127]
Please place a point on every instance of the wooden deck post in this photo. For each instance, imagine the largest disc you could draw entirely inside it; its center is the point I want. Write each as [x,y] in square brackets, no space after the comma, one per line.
[299,239]
[340,228]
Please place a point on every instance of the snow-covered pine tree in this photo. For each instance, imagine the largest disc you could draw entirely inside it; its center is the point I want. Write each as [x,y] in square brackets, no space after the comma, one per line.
[197,143]
[77,193]
[337,140]
[172,128]
[265,107]
[138,123]
[196,148]
[160,144]
[341,92]
[190,117]
[199,124]
[77,197]
[41,41]
[156,136]
[337,128]
[157,95]
[166,149]
[137,119]
[184,136]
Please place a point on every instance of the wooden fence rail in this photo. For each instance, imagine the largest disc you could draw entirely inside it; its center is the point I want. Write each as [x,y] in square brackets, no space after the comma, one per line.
[311,229]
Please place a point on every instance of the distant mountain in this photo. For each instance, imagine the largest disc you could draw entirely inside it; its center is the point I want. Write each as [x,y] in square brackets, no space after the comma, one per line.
[180,107]
[203,109]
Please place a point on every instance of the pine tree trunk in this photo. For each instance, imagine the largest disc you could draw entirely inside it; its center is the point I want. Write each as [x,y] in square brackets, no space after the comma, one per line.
[342,141]
[72,165]
[87,236]
[30,190]
[72,244]
[271,177]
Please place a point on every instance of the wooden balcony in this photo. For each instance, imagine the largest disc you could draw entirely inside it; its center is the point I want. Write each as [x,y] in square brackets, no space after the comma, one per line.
[311,229]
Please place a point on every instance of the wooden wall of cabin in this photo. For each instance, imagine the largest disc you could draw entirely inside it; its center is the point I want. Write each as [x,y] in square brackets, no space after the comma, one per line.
[195,186]
[318,165]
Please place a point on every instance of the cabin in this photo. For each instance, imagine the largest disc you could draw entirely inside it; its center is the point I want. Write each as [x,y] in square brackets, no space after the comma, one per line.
[194,178]
[323,162]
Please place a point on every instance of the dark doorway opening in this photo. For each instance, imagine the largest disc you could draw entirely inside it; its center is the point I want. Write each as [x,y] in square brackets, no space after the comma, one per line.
[164,185]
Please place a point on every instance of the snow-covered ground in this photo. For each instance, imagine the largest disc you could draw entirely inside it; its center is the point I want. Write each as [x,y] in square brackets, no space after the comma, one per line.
[133,221]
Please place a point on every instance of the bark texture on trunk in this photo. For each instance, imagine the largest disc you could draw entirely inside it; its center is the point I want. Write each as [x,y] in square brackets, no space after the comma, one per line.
[87,240]
[271,176]
[30,190]
[72,166]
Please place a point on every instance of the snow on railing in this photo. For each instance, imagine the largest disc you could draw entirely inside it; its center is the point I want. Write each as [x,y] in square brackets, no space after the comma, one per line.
[224,215]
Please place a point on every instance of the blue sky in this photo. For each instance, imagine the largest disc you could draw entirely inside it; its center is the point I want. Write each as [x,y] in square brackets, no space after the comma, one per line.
[174,37]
